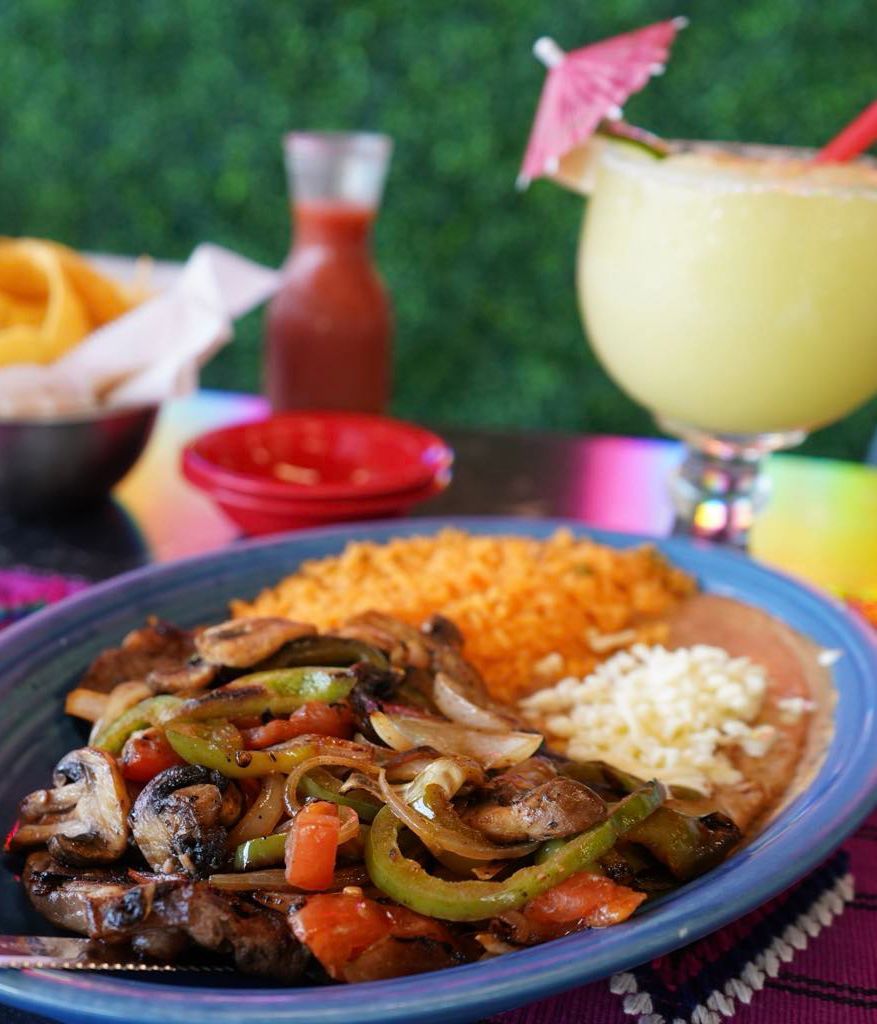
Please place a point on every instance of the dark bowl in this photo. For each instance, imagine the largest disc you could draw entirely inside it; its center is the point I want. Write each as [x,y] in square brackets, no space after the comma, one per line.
[52,467]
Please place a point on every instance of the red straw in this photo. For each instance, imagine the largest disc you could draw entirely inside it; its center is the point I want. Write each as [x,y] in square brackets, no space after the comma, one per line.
[853,140]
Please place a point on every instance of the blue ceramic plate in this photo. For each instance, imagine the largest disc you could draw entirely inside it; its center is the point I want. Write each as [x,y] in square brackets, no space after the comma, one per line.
[41,658]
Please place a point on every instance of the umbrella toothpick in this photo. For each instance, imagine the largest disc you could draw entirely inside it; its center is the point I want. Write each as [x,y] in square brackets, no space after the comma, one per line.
[546,50]
[586,88]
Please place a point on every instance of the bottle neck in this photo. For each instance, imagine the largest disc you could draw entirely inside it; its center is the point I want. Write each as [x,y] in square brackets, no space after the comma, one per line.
[332,223]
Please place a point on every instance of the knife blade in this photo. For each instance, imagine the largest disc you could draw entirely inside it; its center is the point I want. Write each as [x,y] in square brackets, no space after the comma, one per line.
[71,954]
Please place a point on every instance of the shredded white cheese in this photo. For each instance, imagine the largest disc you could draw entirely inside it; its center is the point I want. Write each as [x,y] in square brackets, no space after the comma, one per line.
[549,668]
[659,713]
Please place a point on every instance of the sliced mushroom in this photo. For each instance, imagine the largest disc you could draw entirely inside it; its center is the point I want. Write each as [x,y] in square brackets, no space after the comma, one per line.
[195,675]
[532,802]
[243,643]
[83,820]
[181,818]
[403,643]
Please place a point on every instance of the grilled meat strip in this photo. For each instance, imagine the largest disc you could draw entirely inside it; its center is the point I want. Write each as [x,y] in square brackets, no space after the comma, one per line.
[162,914]
[156,647]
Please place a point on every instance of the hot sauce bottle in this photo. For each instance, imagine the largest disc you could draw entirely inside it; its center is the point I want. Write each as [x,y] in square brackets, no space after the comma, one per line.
[329,327]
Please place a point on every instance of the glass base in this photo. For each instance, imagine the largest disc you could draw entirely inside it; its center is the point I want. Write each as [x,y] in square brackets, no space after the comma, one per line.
[719,487]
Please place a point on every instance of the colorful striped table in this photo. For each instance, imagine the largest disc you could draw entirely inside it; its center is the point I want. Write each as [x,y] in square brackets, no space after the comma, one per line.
[821,522]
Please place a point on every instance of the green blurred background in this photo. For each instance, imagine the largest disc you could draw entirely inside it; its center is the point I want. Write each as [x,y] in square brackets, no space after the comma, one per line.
[146,127]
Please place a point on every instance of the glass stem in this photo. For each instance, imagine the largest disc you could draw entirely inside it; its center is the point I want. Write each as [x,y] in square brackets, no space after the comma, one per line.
[719,487]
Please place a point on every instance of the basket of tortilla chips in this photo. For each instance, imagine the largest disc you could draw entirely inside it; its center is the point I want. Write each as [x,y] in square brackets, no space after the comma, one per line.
[86,361]
[51,298]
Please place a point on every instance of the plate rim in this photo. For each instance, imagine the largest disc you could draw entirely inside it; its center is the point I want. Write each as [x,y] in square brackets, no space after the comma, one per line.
[487,987]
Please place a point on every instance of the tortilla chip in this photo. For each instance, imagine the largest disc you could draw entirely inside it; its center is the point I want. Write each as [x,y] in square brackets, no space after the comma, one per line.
[50,299]
[20,311]
[20,277]
[104,298]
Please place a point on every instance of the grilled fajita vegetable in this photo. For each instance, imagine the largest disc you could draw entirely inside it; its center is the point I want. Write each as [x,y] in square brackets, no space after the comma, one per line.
[352,804]
[686,844]
[152,711]
[409,884]
[276,692]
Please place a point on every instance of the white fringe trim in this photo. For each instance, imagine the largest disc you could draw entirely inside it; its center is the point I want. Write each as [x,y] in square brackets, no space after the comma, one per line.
[720,1006]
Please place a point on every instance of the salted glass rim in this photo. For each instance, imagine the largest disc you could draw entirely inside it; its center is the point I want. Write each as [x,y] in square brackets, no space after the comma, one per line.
[723,178]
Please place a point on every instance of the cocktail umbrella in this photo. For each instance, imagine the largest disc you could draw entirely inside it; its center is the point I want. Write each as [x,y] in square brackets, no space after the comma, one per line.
[588,86]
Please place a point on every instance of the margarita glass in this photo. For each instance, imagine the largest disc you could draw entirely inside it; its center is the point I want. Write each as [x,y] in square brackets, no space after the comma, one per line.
[732,290]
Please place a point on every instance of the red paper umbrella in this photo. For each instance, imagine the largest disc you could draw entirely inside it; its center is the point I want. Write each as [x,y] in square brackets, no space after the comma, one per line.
[586,86]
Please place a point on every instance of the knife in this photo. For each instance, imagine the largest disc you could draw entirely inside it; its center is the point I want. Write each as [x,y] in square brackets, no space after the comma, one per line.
[67,954]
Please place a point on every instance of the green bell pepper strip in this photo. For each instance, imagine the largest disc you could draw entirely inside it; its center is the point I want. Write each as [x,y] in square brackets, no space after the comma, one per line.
[551,846]
[687,845]
[219,732]
[240,764]
[260,853]
[152,711]
[323,786]
[325,650]
[277,693]
[601,775]
[408,883]
[548,849]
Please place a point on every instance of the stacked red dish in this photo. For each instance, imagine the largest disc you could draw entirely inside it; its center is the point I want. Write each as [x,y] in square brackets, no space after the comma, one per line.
[301,469]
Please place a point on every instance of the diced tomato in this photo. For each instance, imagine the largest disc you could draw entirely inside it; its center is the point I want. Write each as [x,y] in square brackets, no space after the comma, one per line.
[312,845]
[147,753]
[585,900]
[326,719]
[275,731]
[339,927]
[247,722]
[313,717]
